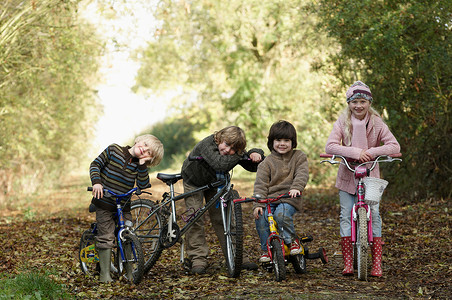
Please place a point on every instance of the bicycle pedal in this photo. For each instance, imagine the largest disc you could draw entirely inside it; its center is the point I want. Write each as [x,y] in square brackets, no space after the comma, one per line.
[306,239]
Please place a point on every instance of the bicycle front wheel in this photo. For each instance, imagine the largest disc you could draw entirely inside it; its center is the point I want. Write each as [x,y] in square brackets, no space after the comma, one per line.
[361,246]
[234,238]
[279,264]
[147,227]
[134,260]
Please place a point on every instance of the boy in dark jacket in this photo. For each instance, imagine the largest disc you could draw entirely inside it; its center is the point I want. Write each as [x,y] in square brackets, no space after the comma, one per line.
[221,152]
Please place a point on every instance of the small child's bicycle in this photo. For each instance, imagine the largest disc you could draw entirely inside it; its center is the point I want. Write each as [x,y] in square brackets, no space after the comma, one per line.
[127,260]
[369,191]
[278,251]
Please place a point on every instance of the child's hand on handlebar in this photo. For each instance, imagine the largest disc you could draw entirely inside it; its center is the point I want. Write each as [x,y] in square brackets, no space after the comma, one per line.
[255,157]
[258,211]
[98,191]
[364,156]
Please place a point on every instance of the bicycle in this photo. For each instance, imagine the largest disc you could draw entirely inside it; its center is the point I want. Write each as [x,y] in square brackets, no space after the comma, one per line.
[127,260]
[278,251]
[156,224]
[369,192]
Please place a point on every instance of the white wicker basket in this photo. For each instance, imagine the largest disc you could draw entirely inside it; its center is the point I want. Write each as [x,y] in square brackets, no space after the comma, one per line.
[374,189]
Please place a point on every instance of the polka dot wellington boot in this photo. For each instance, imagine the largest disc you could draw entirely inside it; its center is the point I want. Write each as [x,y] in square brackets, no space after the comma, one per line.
[347,255]
[376,250]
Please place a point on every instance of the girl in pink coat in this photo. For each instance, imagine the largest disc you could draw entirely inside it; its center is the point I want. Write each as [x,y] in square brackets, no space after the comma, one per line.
[360,134]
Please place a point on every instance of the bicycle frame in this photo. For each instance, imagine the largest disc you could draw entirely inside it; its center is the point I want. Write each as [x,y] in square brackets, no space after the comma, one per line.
[171,199]
[361,172]
[274,234]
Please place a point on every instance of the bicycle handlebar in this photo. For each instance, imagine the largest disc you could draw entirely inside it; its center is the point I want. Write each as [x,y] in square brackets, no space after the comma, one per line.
[109,193]
[346,160]
[262,200]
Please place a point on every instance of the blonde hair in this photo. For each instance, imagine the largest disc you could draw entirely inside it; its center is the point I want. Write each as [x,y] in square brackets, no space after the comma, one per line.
[346,115]
[156,146]
[233,136]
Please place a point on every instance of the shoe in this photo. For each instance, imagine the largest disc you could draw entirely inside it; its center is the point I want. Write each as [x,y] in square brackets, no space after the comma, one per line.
[264,258]
[198,270]
[295,247]
[250,266]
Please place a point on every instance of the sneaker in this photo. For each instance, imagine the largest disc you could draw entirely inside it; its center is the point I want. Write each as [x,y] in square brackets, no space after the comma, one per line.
[295,247]
[264,258]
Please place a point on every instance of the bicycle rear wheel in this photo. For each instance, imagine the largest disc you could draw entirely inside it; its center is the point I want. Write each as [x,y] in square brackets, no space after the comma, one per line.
[147,228]
[87,254]
[134,259]
[279,264]
[299,263]
[361,246]
[234,238]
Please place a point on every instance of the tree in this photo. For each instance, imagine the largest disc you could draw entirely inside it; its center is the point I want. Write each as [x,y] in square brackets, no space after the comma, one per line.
[243,62]
[402,50]
[48,59]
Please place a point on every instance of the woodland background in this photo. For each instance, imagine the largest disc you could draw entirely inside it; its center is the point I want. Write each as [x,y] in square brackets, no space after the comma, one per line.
[248,63]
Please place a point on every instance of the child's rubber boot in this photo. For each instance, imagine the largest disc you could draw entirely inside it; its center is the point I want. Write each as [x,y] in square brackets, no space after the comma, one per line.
[376,250]
[347,255]
[105,263]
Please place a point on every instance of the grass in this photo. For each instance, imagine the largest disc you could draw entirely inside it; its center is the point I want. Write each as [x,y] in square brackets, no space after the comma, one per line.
[32,285]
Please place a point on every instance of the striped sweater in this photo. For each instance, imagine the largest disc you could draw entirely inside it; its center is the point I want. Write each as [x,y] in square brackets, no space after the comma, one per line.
[117,170]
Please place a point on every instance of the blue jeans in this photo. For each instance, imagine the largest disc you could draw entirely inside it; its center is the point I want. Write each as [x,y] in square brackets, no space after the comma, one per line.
[347,200]
[283,215]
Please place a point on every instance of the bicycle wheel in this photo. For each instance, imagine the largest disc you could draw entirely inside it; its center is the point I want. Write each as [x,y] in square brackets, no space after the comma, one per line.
[279,264]
[147,230]
[234,238]
[87,254]
[299,263]
[361,246]
[134,259]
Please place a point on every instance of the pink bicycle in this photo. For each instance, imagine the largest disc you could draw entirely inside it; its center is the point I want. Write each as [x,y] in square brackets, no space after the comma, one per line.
[369,191]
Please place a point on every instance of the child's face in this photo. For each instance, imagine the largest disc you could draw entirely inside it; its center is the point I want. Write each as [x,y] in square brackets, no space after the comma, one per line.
[225,149]
[282,146]
[359,108]
[141,150]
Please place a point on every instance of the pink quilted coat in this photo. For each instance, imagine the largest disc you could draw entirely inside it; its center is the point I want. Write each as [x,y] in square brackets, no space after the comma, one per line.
[379,139]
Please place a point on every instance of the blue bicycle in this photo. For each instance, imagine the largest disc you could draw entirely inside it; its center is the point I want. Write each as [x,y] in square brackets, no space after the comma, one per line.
[127,257]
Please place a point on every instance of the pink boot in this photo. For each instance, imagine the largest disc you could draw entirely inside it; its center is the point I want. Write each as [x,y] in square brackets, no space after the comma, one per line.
[376,250]
[347,254]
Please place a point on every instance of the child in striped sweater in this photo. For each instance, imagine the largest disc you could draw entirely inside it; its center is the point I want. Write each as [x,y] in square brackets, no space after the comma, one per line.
[118,168]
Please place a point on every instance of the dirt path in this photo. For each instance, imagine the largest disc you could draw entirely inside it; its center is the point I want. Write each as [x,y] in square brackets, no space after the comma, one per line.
[416,260]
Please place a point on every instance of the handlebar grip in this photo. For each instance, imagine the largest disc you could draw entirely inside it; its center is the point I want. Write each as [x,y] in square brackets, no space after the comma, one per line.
[89,189]
[326,155]
[396,155]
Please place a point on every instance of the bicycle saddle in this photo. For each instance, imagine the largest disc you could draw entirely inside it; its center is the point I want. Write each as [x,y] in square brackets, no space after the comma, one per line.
[169,178]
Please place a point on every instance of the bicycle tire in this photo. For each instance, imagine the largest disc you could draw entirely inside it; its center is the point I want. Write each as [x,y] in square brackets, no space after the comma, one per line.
[234,239]
[299,263]
[279,264]
[87,240]
[362,244]
[149,232]
[131,241]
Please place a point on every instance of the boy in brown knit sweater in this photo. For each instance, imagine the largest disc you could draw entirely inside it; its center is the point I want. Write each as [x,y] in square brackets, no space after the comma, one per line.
[284,171]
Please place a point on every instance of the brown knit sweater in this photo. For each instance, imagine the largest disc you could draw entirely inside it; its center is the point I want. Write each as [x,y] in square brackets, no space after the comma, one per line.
[278,174]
